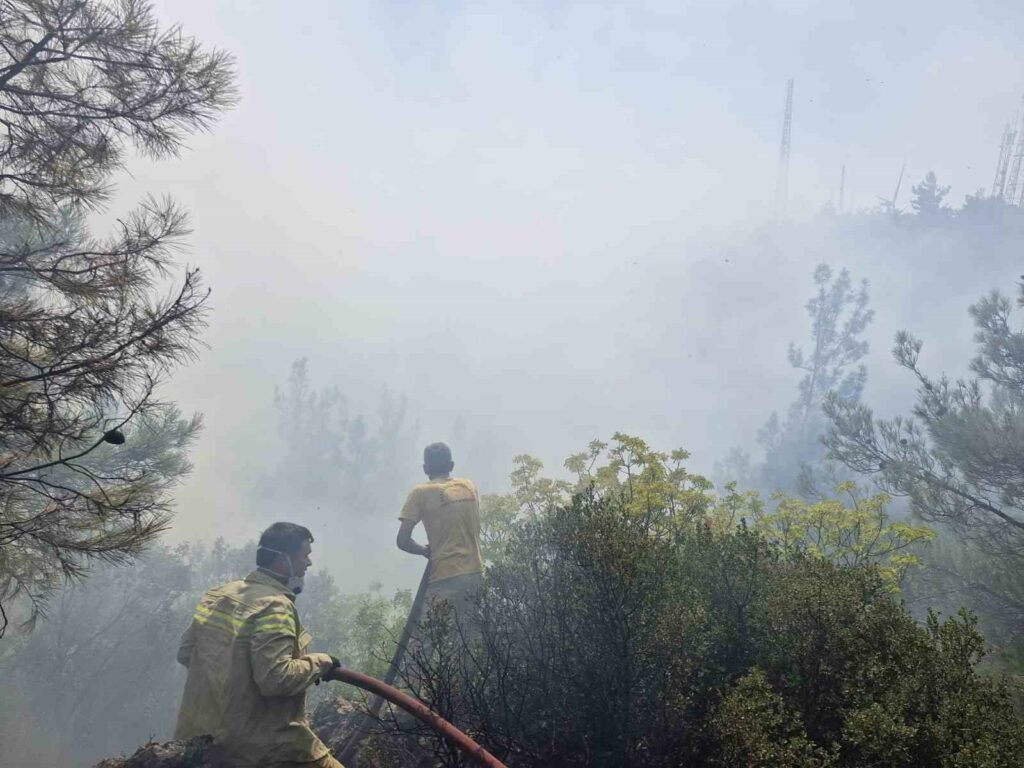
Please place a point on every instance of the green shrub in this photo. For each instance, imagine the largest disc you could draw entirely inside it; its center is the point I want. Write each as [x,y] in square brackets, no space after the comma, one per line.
[622,635]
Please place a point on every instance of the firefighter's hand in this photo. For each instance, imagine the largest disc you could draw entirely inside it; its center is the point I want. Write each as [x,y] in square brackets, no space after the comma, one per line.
[332,673]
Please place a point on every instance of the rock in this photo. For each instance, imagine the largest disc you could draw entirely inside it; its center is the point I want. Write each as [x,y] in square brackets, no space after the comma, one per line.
[168,754]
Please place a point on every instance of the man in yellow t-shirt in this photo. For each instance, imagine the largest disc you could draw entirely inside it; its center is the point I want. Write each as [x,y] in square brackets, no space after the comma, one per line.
[449,508]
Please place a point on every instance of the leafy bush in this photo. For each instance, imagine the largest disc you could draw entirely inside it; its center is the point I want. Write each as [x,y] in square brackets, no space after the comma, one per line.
[630,627]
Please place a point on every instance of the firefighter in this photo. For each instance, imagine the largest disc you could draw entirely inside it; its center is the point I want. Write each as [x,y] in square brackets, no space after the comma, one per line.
[249,666]
[449,508]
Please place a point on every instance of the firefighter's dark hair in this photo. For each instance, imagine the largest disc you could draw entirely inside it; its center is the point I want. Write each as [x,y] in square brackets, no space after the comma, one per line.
[437,459]
[282,537]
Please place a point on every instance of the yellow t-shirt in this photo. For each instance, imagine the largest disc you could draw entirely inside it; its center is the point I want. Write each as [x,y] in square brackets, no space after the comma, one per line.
[449,509]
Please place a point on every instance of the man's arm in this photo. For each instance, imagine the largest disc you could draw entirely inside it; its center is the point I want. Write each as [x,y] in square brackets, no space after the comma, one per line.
[275,669]
[405,541]
[410,515]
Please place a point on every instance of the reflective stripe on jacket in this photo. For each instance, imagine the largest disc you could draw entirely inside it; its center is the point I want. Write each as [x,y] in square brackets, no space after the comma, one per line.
[248,671]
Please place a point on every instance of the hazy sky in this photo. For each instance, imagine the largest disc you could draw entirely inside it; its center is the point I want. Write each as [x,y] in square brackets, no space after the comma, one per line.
[515,212]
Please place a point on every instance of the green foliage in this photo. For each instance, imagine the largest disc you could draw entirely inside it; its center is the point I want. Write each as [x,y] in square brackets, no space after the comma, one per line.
[92,326]
[657,488]
[42,547]
[853,535]
[625,628]
[755,728]
[655,485]
[360,629]
[927,200]
[959,461]
[652,483]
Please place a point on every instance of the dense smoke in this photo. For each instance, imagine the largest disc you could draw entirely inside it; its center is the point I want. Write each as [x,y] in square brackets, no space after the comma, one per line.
[518,230]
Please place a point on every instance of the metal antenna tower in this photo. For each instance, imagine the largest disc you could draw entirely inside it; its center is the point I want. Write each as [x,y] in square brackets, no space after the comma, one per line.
[1017,158]
[782,186]
[899,183]
[999,185]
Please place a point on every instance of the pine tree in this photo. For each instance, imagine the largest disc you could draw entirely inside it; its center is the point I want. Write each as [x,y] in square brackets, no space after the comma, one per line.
[927,200]
[959,458]
[90,327]
[794,453]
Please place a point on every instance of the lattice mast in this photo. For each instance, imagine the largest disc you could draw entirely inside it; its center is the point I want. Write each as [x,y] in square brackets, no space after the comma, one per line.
[782,185]
[1016,160]
[1003,166]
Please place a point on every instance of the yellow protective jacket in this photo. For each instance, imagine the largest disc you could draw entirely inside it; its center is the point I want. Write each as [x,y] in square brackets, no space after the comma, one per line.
[248,671]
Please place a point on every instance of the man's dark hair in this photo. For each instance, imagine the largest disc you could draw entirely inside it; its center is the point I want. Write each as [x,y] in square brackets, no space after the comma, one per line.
[437,459]
[283,537]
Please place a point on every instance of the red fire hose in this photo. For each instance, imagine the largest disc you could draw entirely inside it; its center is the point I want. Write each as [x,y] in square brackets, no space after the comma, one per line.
[418,710]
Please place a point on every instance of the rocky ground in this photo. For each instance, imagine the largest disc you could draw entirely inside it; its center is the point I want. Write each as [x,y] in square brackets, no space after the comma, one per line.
[333,721]
[169,754]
